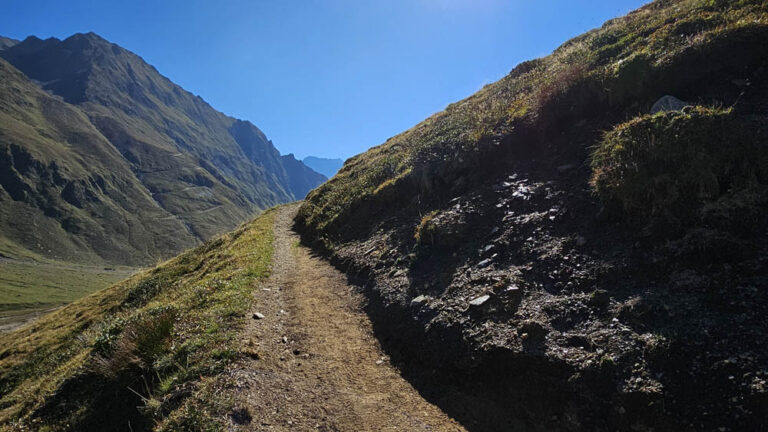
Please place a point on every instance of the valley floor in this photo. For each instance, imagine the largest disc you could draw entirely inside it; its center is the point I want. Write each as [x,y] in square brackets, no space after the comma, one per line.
[314,363]
[29,289]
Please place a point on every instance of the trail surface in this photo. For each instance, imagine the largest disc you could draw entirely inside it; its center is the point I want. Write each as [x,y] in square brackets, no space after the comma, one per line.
[315,364]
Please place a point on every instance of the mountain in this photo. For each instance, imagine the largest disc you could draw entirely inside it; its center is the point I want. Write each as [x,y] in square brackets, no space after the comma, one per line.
[109,160]
[7,42]
[580,245]
[327,167]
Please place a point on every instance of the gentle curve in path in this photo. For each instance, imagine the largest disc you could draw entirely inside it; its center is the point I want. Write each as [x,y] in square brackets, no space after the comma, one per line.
[315,364]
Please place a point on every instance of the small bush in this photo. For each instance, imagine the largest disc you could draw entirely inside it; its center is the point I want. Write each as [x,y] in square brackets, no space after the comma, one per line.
[681,167]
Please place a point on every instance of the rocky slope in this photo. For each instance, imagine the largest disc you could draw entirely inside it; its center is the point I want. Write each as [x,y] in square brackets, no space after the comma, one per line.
[547,255]
[109,160]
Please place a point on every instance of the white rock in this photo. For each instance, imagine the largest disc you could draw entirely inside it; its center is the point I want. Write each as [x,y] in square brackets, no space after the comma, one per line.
[479,301]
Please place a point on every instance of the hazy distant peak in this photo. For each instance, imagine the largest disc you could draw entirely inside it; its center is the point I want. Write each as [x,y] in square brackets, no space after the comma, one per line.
[325,166]
[7,42]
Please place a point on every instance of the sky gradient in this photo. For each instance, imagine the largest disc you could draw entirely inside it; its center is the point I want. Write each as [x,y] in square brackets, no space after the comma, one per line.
[328,78]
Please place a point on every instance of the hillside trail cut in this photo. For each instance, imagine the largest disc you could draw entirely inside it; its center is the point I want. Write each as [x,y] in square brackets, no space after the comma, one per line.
[314,363]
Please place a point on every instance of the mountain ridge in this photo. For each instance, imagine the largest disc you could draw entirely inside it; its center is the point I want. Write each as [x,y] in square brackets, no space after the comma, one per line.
[205,169]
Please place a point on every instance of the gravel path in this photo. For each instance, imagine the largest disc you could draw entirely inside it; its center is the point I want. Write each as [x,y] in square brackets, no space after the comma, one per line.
[315,364]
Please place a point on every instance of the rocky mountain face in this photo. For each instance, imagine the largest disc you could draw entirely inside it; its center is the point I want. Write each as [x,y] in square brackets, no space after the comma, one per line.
[547,254]
[325,166]
[107,159]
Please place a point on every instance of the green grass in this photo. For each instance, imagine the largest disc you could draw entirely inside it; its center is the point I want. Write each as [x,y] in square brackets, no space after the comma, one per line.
[154,341]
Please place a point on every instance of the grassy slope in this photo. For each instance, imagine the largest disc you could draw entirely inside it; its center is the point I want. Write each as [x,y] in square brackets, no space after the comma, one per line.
[613,72]
[150,341]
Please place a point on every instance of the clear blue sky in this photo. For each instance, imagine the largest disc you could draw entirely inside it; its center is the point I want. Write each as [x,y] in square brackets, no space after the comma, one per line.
[328,78]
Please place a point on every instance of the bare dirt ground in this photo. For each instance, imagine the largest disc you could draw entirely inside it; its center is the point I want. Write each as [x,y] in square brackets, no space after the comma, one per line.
[315,364]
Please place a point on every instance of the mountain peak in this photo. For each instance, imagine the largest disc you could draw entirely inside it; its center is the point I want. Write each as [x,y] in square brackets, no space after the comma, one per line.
[325,166]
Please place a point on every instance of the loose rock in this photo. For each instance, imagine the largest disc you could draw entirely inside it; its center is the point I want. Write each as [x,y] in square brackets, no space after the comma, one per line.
[479,301]
[668,103]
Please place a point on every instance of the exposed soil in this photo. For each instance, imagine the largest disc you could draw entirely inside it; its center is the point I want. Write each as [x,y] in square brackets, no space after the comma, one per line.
[314,361]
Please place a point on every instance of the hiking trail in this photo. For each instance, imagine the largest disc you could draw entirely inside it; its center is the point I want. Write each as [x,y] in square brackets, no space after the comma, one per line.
[315,363]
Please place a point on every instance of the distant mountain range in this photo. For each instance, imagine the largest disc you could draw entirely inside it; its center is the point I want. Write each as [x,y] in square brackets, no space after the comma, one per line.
[103,159]
[327,167]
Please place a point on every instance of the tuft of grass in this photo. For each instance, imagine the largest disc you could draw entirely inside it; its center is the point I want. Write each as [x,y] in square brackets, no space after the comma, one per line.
[152,341]
[426,230]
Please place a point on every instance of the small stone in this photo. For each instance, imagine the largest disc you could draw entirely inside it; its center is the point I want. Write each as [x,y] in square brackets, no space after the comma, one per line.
[379,362]
[479,301]
[258,316]
[284,339]
[484,263]
[419,300]
[668,103]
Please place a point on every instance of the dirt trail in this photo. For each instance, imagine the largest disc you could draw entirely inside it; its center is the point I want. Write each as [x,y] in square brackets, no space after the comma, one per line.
[315,363]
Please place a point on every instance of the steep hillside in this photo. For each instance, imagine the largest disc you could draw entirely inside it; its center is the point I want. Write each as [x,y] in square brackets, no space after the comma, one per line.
[552,256]
[66,192]
[198,171]
[154,342]
[327,167]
